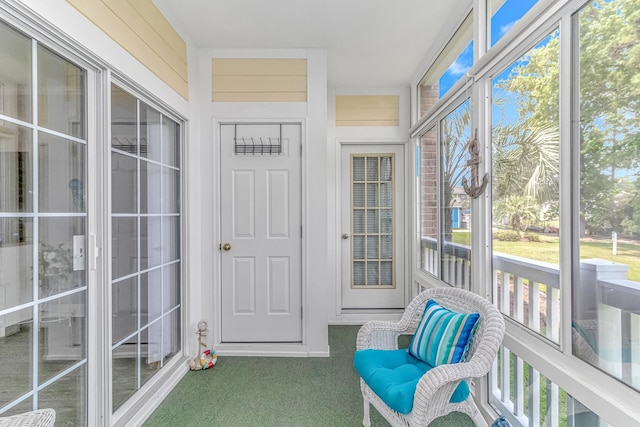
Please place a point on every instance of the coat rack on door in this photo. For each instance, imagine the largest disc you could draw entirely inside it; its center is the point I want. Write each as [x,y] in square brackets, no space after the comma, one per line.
[257,145]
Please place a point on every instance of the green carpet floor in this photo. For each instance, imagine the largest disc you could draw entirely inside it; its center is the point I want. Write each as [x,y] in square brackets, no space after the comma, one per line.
[277,392]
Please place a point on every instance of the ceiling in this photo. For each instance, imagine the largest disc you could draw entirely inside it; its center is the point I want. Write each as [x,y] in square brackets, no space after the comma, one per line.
[369,42]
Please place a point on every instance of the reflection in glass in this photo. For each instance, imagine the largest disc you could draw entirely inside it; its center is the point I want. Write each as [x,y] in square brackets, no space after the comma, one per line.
[61,91]
[150,296]
[62,335]
[170,142]
[16,261]
[124,119]
[170,190]
[171,286]
[170,238]
[171,337]
[124,183]
[150,242]
[63,396]
[150,187]
[16,168]
[124,309]
[16,370]
[150,142]
[58,271]
[525,187]
[124,246]
[15,76]
[124,372]
[606,295]
[61,174]
[428,179]
[454,154]
[151,351]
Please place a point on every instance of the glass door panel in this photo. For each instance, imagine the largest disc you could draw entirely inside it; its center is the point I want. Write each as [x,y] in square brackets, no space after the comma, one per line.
[43,228]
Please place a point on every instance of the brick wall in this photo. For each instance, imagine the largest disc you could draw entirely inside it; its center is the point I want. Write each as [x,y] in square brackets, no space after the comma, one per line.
[428,167]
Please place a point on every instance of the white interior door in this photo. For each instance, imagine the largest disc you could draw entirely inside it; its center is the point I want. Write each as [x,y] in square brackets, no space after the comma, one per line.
[261,232]
[372,211]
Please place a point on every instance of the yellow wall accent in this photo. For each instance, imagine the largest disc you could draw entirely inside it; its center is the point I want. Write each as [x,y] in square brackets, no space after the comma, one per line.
[258,80]
[139,27]
[367,110]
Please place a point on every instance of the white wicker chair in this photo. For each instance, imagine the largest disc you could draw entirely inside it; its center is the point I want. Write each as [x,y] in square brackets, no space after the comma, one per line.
[434,390]
[38,418]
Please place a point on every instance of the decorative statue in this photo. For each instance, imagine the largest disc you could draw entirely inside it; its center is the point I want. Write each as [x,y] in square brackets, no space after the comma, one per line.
[206,358]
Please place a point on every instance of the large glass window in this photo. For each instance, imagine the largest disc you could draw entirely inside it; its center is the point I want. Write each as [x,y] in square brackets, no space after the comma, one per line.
[503,14]
[606,292]
[145,181]
[43,228]
[445,209]
[450,66]
[525,188]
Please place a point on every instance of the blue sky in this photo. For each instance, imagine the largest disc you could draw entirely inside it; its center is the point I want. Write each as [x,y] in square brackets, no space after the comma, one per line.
[504,18]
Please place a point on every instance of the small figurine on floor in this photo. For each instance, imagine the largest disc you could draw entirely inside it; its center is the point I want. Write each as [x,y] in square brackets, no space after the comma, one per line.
[206,357]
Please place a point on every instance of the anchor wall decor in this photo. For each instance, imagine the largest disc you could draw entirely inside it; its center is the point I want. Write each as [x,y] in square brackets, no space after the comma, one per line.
[474,190]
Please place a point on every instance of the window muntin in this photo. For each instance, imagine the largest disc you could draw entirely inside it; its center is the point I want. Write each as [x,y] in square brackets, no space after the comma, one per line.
[503,14]
[145,178]
[525,188]
[448,68]
[606,292]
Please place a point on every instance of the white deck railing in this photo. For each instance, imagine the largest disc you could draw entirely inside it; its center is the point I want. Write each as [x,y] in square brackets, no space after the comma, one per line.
[528,291]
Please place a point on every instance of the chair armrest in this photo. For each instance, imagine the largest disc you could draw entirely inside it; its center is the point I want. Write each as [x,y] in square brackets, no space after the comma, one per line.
[381,335]
[448,376]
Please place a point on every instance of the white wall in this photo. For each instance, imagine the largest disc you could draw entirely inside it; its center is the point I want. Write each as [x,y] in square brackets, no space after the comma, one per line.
[313,115]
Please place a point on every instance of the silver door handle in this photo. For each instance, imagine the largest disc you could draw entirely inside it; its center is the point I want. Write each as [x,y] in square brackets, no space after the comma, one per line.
[345,236]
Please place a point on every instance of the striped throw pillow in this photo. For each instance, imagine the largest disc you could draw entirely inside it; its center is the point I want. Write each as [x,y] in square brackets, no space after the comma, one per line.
[443,336]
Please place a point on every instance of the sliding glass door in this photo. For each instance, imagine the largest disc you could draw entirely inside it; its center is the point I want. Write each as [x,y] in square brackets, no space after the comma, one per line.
[43,229]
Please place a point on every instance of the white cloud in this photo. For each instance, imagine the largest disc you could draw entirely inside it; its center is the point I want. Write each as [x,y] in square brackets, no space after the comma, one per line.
[457,68]
[506,27]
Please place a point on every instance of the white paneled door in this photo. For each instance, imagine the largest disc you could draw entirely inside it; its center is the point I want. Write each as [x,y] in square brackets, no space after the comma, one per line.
[372,195]
[261,235]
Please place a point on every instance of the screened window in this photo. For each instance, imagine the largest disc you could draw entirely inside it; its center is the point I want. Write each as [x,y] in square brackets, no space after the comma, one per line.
[449,67]
[525,188]
[606,292]
[503,14]
[445,208]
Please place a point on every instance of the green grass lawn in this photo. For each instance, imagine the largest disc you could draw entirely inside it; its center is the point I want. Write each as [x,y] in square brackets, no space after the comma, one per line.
[547,249]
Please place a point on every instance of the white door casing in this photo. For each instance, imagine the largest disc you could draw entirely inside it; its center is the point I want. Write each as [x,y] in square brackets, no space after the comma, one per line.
[261,223]
[372,226]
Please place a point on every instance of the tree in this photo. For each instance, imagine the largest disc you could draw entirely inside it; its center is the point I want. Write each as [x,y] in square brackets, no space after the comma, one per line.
[609,127]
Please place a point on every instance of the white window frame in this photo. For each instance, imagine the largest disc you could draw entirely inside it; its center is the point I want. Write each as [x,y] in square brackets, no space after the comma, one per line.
[612,400]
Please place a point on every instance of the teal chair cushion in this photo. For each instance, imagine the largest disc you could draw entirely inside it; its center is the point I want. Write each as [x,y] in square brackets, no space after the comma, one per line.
[394,374]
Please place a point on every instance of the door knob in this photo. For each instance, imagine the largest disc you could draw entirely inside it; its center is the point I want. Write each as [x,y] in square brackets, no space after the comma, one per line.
[345,236]
[226,247]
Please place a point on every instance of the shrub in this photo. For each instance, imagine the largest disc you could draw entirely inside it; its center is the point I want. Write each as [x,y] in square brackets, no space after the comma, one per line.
[507,236]
[532,237]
